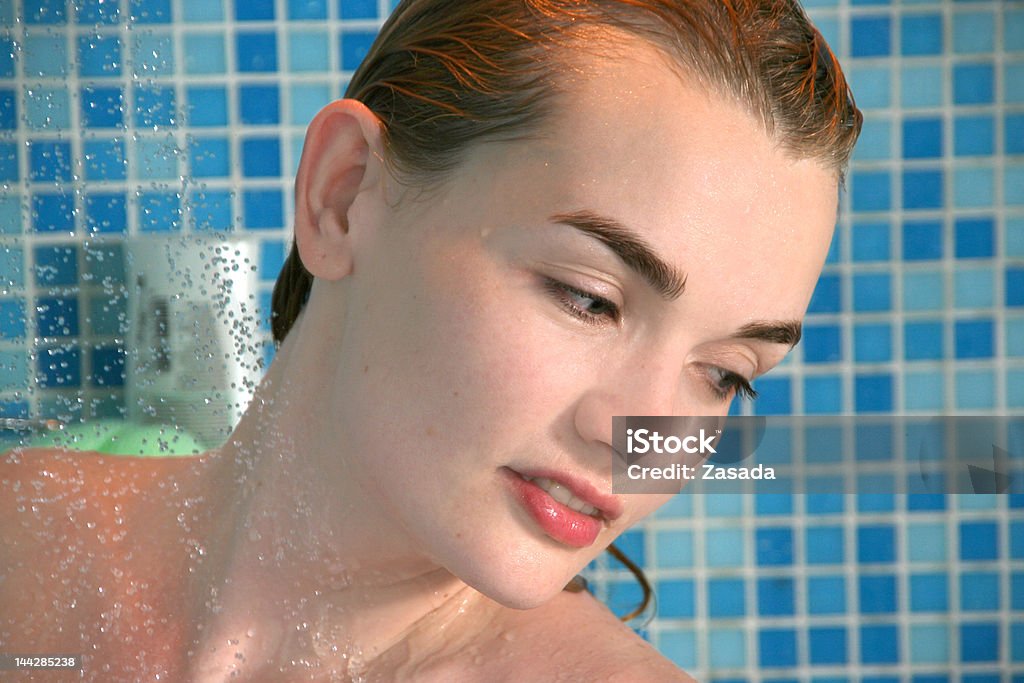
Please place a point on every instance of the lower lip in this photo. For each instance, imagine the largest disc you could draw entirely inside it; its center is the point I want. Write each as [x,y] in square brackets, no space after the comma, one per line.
[561,523]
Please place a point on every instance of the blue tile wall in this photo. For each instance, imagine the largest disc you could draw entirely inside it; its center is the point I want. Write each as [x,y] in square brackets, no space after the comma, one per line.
[119,119]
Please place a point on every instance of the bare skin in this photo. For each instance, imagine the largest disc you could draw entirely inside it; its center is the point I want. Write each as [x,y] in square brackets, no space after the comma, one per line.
[361,523]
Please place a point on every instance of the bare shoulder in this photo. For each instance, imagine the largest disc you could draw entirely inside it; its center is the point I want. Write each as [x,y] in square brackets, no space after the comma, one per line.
[588,642]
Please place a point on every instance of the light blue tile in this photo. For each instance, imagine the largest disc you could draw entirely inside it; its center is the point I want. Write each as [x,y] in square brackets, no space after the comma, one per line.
[1015,389]
[45,55]
[12,267]
[723,504]
[678,507]
[205,53]
[153,54]
[976,501]
[724,547]
[308,51]
[973,32]
[1013,182]
[674,548]
[929,643]
[156,159]
[875,141]
[923,391]
[832,32]
[1015,336]
[1013,28]
[47,109]
[923,291]
[680,647]
[973,187]
[306,100]
[1013,81]
[14,374]
[6,12]
[297,141]
[975,389]
[926,542]
[921,86]
[872,85]
[727,648]
[1015,237]
[202,10]
[10,214]
[973,288]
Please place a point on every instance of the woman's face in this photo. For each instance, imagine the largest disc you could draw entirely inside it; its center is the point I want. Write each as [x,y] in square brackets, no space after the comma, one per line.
[494,328]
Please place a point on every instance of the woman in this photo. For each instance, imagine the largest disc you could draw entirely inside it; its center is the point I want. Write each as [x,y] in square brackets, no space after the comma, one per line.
[527,218]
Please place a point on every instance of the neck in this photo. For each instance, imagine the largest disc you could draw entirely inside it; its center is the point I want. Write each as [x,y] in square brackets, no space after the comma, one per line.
[304,566]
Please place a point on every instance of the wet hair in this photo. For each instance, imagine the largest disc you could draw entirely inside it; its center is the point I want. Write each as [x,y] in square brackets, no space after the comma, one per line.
[444,75]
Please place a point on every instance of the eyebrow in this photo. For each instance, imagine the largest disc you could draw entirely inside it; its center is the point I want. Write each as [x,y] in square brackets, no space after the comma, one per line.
[631,248]
[785,332]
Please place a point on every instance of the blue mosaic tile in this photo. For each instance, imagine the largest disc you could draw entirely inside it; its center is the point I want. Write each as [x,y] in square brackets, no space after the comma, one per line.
[48,109]
[726,598]
[979,541]
[102,107]
[979,642]
[929,644]
[973,83]
[870,191]
[921,34]
[826,297]
[108,366]
[973,187]
[259,104]
[727,648]
[262,209]
[929,592]
[205,53]
[876,543]
[827,645]
[922,85]
[99,56]
[256,52]
[872,343]
[254,10]
[872,292]
[926,542]
[261,157]
[357,9]
[12,319]
[826,595]
[878,594]
[974,135]
[922,138]
[973,338]
[724,548]
[210,157]
[675,548]
[150,11]
[922,189]
[57,317]
[869,36]
[1014,283]
[775,396]
[159,212]
[777,647]
[307,9]
[56,265]
[974,288]
[774,547]
[211,210]
[879,644]
[975,238]
[53,213]
[979,591]
[354,45]
[870,242]
[973,32]
[97,12]
[153,53]
[49,161]
[207,106]
[823,395]
[45,11]
[923,291]
[308,51]
[975,389]
[154,106]
[59,367]
[202,10]
[306,100]
[775,596]
[105,160]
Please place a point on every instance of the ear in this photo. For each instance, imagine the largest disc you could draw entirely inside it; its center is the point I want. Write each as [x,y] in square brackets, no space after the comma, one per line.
[341,158]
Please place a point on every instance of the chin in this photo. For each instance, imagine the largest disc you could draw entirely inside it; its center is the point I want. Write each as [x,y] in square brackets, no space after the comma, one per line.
[519,581]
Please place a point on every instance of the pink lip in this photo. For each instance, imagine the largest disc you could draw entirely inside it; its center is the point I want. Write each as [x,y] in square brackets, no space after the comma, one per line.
[562,523]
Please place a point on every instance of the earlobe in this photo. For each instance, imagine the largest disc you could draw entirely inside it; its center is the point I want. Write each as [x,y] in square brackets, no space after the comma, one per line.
[340,159]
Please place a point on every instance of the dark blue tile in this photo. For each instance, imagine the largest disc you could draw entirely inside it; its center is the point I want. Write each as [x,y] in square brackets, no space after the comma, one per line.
[256,52]
[873,393]
[155,106]
[825,503]
[974,135]
[1015,286]
[825,545]
[870,191]
[879,644]
[827,645]
[57,317]
[272,257]
[45,11]
[108,367]
[822,343]
[12,319]
[876,543]
[872,343]
[102,107]
[1014,125]
[870,501]
[922,189]
[979,541]
[1016,579]
[53,213]
[56,265]
[774,396]
[259,104]
[979,591]
[873,442]
[922,240]
[307,9]
[923,340]
[926,502]
[777,647]
[774,546]
[872,292]
[9,171]
[922,138]
[254,10]
[212,211]
[262,209]
[1017,540]
[49,161]
[973,83]
[929,593]
[975,238]
[357,9]
[354,47]
[8,110]
[261,158]
[775,596]
[17,409]
[6,57]
[826,297]
[207,106]
[150,11]
[826,595]
[159,212]
[726,598]
[870,242]
[99,56]
[59,367]
[979,642]
[974,338]
[105,160]
[773,504]
[870,36]
[921,34]
[675,599]
[97,12]
[210,157]
[106,213]
[633,544]
[878,594]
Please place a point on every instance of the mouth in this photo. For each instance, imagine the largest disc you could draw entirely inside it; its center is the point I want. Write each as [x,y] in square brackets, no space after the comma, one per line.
[569,511]
[564,495]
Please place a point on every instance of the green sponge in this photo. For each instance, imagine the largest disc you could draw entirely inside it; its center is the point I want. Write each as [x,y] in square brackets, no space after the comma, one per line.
[116,437]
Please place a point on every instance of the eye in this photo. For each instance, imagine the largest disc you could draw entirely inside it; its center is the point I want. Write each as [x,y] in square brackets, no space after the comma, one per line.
[590,308]
[725,382]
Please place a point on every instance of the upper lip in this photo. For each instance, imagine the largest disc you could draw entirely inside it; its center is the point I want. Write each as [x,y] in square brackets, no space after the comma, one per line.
[610,506]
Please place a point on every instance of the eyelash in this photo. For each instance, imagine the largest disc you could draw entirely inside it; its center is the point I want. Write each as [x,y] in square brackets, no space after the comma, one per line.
[564,294]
